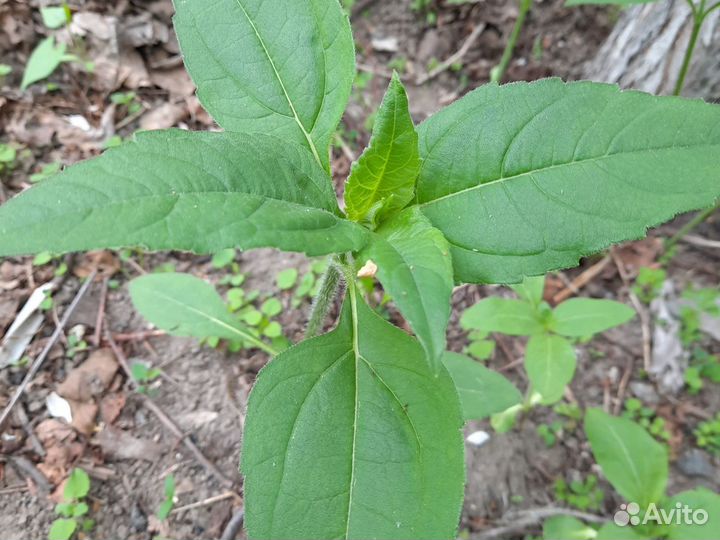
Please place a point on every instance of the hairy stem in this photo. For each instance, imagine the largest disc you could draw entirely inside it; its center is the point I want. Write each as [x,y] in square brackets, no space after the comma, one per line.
[498,71]
[329,285]
[699,15]
[690,226]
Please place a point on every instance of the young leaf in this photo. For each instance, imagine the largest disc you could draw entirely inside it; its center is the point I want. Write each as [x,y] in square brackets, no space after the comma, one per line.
[62,529]
[511,317]
[696,499]
[45,59]
[270,66]
[414,267]
[77,485]
[583,317]
[178,190]
[550,364]
[483,392]
[531,289]
[54,16]
[511,174]
[632,461]
[567,528]
[350,435]
[184,305]
[382,182]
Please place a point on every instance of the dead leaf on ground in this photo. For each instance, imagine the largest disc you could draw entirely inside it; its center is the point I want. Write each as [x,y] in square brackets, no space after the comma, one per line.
[165,116]
[176,81]
[119,444]
[104,262]
[90,378]
[62,449]
[636,255]
[111,406]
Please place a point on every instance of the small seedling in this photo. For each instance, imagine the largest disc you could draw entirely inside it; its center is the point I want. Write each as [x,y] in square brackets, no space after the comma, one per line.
[8,154]
[646,417]
[128,100]
[649,283]
[581,494]
[72,508]
[480,347]
[143,375]
[708,435]
[550,357]
[636,465]
[169,500]
[549,433]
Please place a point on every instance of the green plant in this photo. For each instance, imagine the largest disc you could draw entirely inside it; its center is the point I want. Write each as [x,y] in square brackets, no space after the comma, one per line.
[8,154]
[637,467]
[356,433]
[550,357]
[72,508]
[143,375]
[497,73]
[169,500]
[646,417]
[708,435]
[581,494]
[46,172]
[550,432]
[649,283]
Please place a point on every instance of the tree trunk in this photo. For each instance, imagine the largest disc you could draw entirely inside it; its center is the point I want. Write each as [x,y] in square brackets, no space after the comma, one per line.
[646,48]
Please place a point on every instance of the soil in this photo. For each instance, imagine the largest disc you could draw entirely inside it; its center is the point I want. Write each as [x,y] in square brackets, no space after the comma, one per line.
[204,390]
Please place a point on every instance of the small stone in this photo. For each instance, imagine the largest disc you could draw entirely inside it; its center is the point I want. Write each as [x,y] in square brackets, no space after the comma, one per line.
[695,462]
[645,392]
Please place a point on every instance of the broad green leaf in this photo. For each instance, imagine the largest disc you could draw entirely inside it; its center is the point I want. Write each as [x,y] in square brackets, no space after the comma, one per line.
[382,182]
[567,528]
[414,267]
[186,306]
[531,289]
[43,61]
[173,189]
[611,531]
[583,317]
[550,364]
[77,485]
[528,177]
[511,317]
[572,3]
[632,461]
[270,66]
[696,499]
[483,392]
[62,529]
[351,435]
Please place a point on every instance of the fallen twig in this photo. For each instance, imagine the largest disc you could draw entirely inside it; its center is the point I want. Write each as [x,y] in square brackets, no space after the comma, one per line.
[206,502]
[700,241]
[26,468]
[49,345]
[234,525]
[646,335]
[101,313]
[583,279]
[457,57]
[167,421]
[519,521]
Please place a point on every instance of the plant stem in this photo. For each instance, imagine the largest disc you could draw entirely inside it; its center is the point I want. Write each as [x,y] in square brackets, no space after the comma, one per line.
[330,282]
[498,71]
[690,225]
[698,19]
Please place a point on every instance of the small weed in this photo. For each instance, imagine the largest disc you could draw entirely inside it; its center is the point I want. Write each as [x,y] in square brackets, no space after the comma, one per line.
[583,495]
[72,508]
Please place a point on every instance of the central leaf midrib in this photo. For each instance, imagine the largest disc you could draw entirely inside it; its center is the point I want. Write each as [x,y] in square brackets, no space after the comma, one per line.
[557,166]
[281,82]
